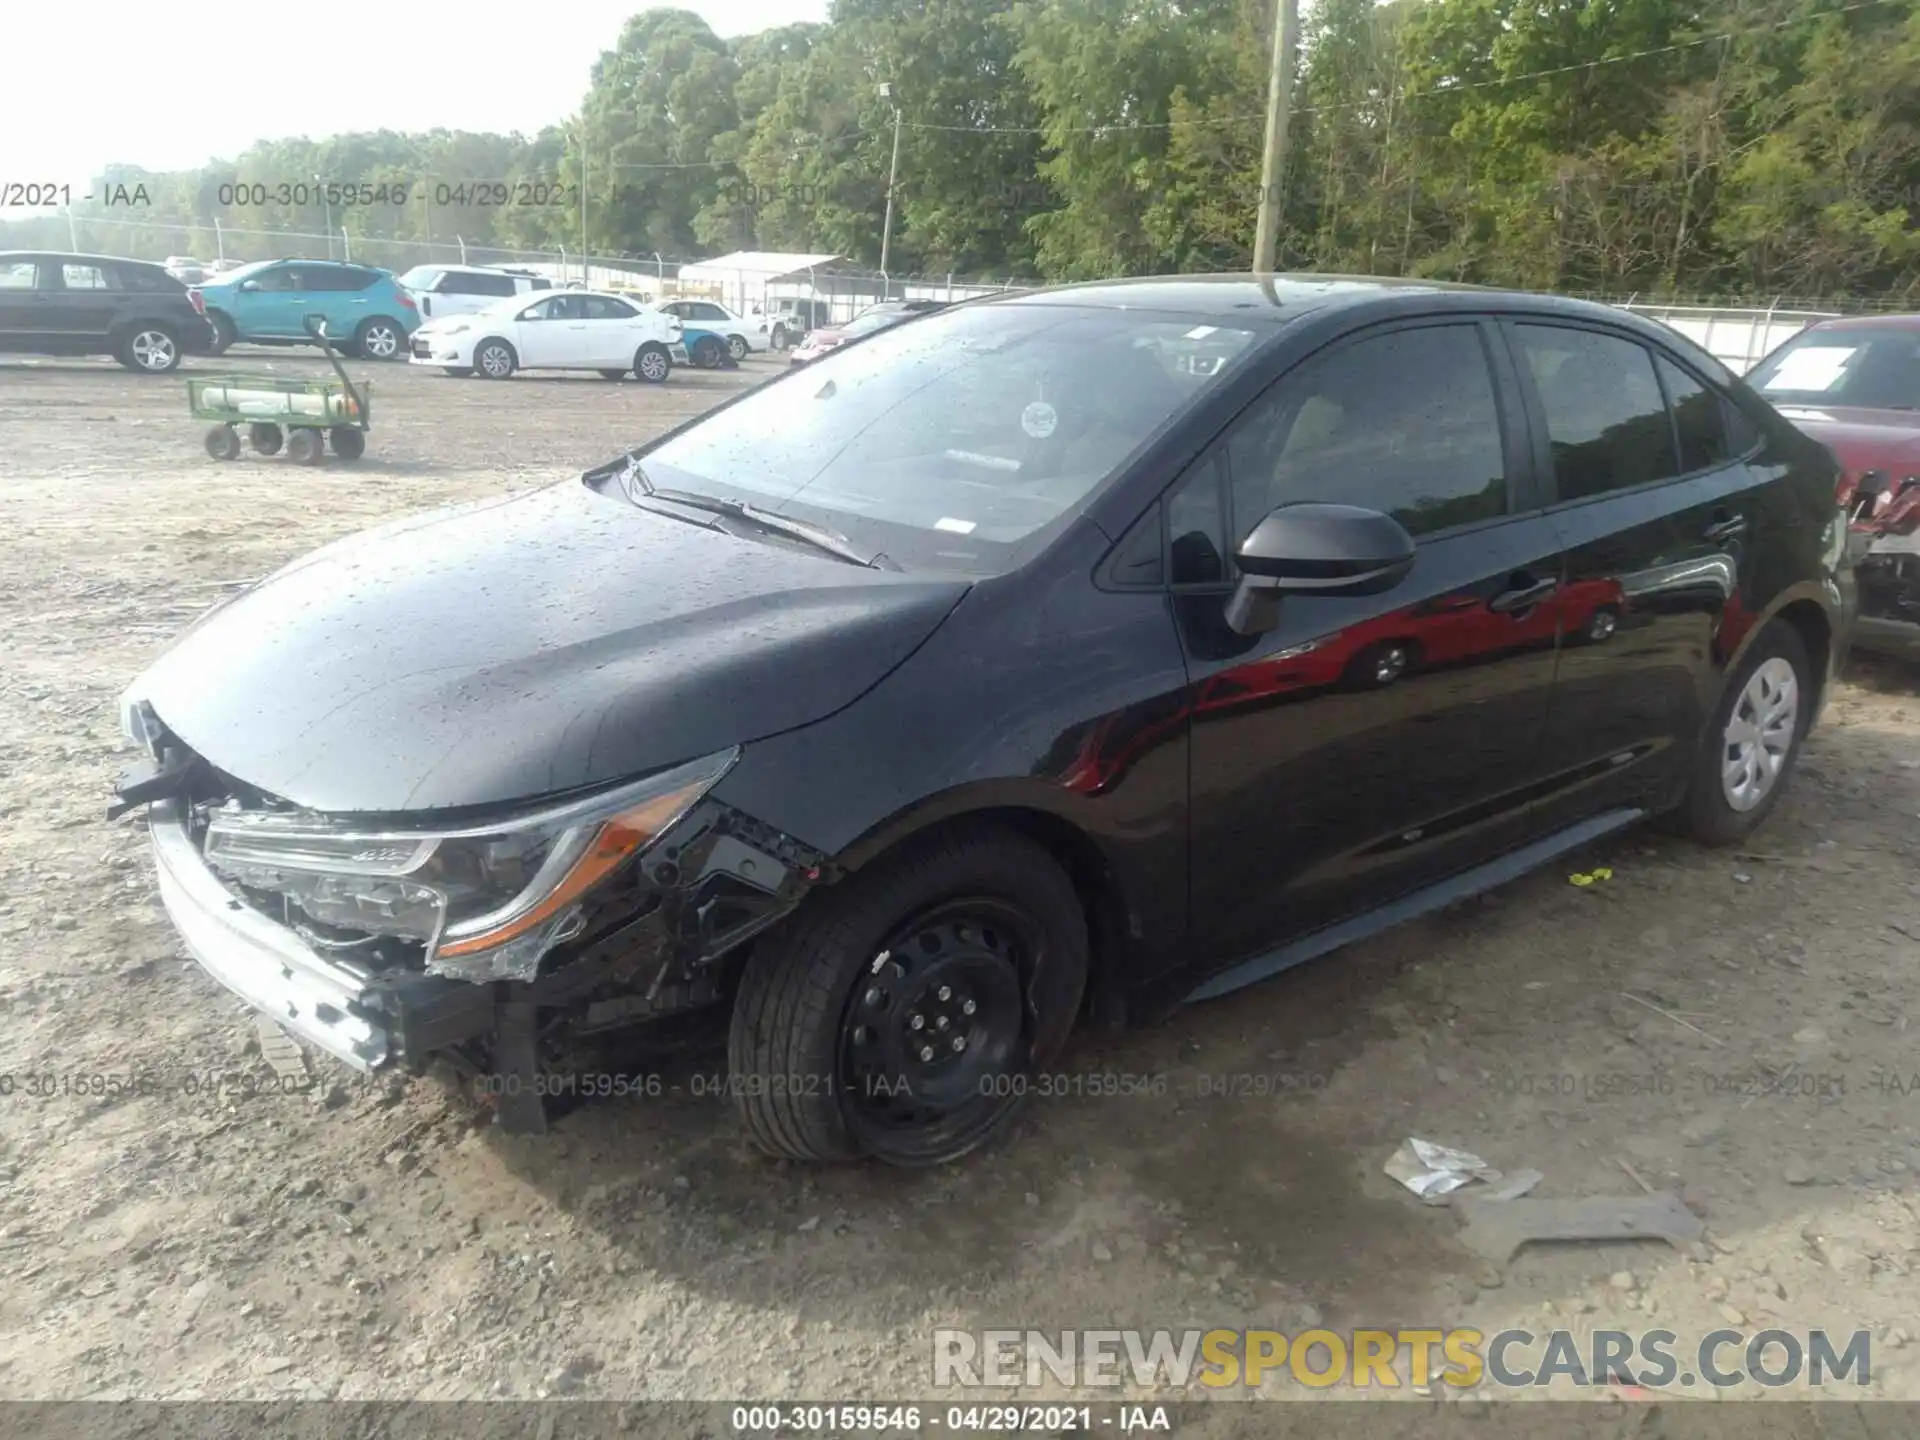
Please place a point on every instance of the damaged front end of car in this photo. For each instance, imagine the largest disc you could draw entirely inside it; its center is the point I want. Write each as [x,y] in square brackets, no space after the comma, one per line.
[488,939]
[1886,544]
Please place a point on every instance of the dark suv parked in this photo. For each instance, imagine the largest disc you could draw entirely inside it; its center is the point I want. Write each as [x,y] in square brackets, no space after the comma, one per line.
[1092,649]
[61,304]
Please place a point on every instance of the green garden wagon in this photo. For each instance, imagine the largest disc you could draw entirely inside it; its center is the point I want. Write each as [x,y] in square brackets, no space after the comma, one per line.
[306,415]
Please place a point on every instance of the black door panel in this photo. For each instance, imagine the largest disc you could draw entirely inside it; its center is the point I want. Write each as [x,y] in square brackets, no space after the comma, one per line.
[1655,540]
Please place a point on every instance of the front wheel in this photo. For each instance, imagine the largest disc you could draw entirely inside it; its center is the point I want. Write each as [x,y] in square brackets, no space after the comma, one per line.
[737,347]
[224,333]
[904,1013]
[494,359]
[265,438]
[779,337]
[652,363]
[1743,761]
[305,447]
[381,339]
[349,441]
[707,352]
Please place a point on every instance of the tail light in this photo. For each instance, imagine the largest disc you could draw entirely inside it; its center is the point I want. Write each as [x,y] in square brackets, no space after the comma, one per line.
[407,301]
[197,300]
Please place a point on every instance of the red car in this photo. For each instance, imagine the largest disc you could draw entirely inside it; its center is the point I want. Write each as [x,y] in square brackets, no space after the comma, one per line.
[883,316]
[1855,385]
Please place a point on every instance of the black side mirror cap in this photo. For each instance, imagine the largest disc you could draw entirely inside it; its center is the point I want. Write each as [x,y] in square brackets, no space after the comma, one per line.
[1316,549]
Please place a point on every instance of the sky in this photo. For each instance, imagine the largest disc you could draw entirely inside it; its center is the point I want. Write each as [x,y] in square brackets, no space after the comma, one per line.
[158,87]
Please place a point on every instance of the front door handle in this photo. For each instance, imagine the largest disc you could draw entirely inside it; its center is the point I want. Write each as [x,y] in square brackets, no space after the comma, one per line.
[1725,527]
[1524,596]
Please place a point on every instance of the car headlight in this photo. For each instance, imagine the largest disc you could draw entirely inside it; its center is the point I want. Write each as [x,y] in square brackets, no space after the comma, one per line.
[487,900]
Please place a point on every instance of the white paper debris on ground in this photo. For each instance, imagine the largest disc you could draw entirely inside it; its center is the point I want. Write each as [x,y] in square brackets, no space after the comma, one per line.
[1431,1170]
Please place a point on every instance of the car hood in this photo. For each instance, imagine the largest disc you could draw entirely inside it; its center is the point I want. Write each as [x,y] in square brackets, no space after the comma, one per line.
[1885,440]
[517,648]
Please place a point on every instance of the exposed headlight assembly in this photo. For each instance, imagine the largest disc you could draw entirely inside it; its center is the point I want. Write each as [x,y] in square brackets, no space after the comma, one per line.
[487,900]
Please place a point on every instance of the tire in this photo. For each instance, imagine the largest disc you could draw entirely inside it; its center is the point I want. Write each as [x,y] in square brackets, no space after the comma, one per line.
[305,447]
[380,339]
[224,333]
[495,360]
[349,441]
[738,348]
[223,442]
[973,934]
[266,439]
[456,371]
[652,363]
[779,337]
[1716,811]
[150,349]
[707,352]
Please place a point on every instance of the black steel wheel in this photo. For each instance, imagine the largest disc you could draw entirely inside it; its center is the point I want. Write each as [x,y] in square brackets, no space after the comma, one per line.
[265,438]
[349,441]
[707,352]
[902,1013]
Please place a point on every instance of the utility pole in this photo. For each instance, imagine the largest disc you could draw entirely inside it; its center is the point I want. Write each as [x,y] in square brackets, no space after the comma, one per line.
[893,172]
[1273,163]
[320,186]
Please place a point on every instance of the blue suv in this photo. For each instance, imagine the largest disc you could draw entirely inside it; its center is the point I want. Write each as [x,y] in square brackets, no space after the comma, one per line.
[270,300]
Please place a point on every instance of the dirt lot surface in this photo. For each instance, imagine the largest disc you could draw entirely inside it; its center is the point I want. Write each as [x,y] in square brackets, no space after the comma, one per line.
[372,1239]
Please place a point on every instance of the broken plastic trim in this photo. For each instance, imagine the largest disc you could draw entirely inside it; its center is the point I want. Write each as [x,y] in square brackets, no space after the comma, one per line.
[462,892]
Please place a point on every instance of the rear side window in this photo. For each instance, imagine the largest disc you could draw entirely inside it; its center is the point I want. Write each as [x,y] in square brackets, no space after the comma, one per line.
[149,281]
[600,307]
[1607,421]
[1699,418]
[467,282]
[1404,423]
[86,277]
[539,283]
[18,275]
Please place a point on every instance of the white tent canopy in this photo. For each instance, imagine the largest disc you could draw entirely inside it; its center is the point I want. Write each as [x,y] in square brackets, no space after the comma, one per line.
[761,265]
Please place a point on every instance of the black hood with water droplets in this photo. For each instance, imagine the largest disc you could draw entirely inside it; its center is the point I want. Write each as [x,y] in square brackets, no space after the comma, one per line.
[512,649]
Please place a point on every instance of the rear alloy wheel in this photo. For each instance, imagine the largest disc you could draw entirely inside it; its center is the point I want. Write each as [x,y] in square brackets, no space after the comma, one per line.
[1749,750]
[381,339]
[737,347]
[150,349]
[902,1013]
[494,359]
[652,363]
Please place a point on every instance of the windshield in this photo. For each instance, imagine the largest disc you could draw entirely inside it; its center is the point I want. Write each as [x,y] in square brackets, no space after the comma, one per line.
[421,277]
[868,323]
[1877,368]
[948,441]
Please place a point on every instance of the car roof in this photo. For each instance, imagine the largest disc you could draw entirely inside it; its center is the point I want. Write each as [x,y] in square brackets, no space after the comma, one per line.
[68,256]
[1276,297]
[1868,322]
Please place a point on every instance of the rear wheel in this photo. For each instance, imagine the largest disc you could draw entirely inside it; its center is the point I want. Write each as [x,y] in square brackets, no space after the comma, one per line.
[494,359]
[737,346]
[223,332]
[707,352]
[1750,747]
[266,439]
[349,441]
[901,1013]
[150,349]
[652,363]
[779,337]
[381,339]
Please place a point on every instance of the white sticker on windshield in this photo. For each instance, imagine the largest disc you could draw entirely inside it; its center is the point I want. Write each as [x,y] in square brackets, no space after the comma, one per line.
[1199,332]
[1812,368]
[956,527]
[1038,420]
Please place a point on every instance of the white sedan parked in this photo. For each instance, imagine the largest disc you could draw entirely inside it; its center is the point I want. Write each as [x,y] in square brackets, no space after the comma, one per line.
[561,330]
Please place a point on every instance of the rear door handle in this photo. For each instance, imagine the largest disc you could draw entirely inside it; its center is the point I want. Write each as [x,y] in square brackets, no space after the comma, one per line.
[1524,596]
[1725,527]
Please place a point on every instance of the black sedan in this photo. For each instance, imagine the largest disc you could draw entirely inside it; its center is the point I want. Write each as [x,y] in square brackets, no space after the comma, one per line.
[1082,651]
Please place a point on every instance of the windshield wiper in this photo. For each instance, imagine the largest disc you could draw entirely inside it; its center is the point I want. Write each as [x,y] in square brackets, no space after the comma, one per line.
[818,536]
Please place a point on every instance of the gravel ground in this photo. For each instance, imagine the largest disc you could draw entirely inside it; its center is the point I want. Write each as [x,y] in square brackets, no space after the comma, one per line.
[372,1239]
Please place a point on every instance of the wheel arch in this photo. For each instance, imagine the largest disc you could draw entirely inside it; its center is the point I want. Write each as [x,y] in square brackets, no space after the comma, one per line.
[1809,612]
[1104,898]
[486,340]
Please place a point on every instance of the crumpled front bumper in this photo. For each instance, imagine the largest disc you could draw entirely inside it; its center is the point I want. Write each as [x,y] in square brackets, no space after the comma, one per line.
[319,998]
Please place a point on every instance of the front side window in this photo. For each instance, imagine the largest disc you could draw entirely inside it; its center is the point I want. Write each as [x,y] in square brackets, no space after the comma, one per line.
[959,435]
[84,277]
[1873,367]
[1606,418]
[1404,423]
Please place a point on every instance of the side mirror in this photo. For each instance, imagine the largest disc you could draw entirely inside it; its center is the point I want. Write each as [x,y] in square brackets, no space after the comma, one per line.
[249,285]
[1316,549]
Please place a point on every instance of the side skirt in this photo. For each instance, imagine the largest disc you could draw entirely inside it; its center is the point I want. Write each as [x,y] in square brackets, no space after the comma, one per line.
[1409,907]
